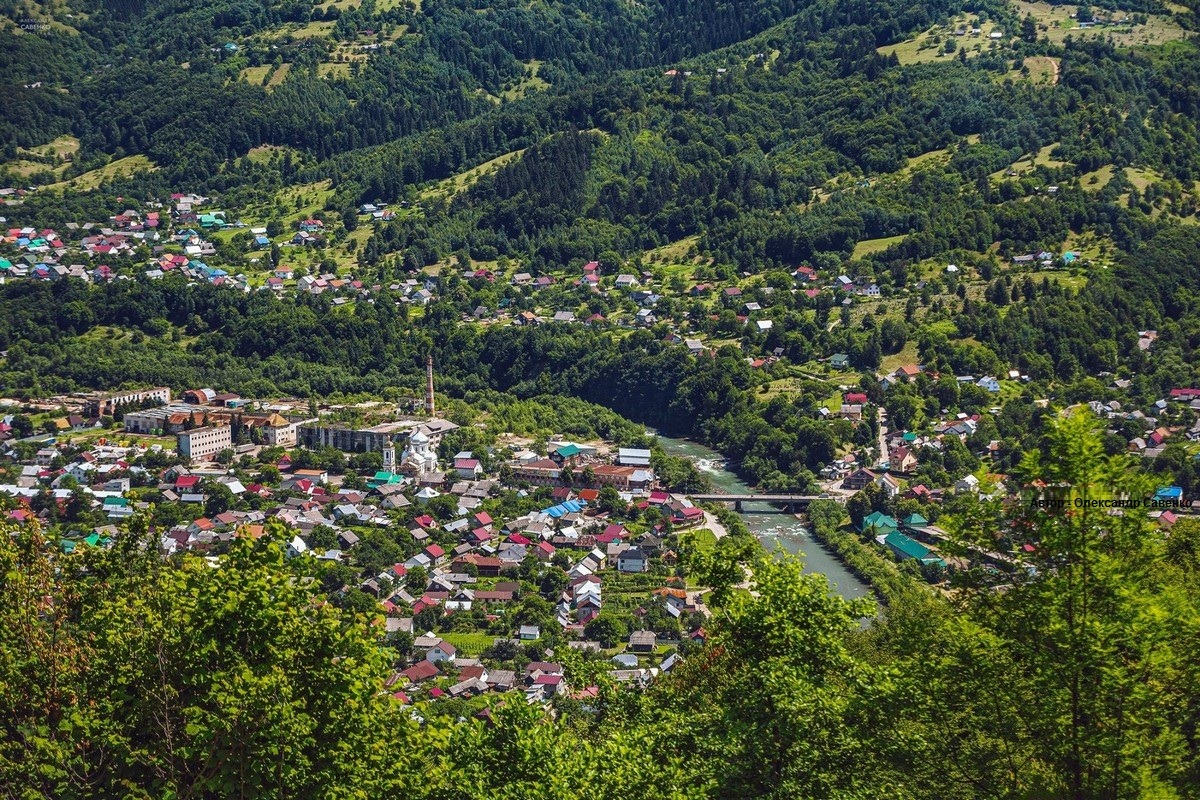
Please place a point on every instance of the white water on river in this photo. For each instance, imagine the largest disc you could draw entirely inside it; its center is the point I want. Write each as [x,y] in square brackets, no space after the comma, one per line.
[773,528]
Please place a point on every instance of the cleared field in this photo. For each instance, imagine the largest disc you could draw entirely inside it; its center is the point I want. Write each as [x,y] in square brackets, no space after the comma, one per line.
[62,146]
[313,30]
[121,168]
[932,157]
[255,75]
[333,70]
[1091,247]
[1068,280]
[907,355]
[868,246]
[1141,178]
[530,83]
[674,252]
[263,153]
[1043,70]
[341,5]
[26,163]
[1096,180]
[1056,23]
[279,75]
[462,181]
[1042,158]
[23,168]
[930,46]
[938,157]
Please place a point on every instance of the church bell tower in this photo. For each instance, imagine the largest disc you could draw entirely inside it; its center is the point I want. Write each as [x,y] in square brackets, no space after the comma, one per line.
[389,456]
[429,407]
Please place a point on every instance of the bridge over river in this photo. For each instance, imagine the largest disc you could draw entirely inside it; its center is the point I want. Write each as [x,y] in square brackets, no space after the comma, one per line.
[790,502]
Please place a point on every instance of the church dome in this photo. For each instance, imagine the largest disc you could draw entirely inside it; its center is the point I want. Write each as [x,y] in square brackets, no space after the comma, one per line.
[418,438]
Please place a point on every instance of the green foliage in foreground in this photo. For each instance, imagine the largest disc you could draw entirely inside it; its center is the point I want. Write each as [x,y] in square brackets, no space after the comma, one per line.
[123,675]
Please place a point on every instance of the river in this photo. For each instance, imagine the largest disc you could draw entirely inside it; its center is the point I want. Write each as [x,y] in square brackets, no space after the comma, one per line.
[771,526]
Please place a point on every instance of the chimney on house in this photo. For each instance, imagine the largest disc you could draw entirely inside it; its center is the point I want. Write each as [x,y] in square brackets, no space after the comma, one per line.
[429,408]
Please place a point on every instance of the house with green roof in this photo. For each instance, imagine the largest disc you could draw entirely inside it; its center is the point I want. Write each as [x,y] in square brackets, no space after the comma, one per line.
[117,507]
[915,521]
[567,453]
[879,524]
[384,478]
[906,548]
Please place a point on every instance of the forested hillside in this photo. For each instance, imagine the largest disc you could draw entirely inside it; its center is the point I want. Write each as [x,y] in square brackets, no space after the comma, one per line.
[723,220]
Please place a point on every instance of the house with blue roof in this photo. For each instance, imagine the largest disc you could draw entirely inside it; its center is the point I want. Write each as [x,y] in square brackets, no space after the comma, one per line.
[1169,496]
[564,508]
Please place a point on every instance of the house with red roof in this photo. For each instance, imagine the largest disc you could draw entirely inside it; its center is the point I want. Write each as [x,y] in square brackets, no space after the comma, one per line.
[918,492]
[688,515]
[421,671]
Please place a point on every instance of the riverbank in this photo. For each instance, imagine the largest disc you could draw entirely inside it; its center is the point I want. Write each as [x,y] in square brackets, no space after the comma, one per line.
[867,564]
[771,527]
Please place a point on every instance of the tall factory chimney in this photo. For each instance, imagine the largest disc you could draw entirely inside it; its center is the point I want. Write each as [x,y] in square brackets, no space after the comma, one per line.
[429,408]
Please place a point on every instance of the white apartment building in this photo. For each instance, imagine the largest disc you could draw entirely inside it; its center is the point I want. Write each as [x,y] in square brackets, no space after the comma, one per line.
[199,444]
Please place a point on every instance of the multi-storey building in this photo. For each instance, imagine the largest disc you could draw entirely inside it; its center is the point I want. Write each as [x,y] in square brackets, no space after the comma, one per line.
[199,444]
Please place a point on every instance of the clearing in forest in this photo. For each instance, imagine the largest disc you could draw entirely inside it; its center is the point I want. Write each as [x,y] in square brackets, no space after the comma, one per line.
[675,252]
[870,246]
[531,82]
[333,70]
[312,30]
[944,42]
[121,168]
[1057,22]
[464,180]
[1042,70]
[28,161]
[255,75]
[1042,158]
